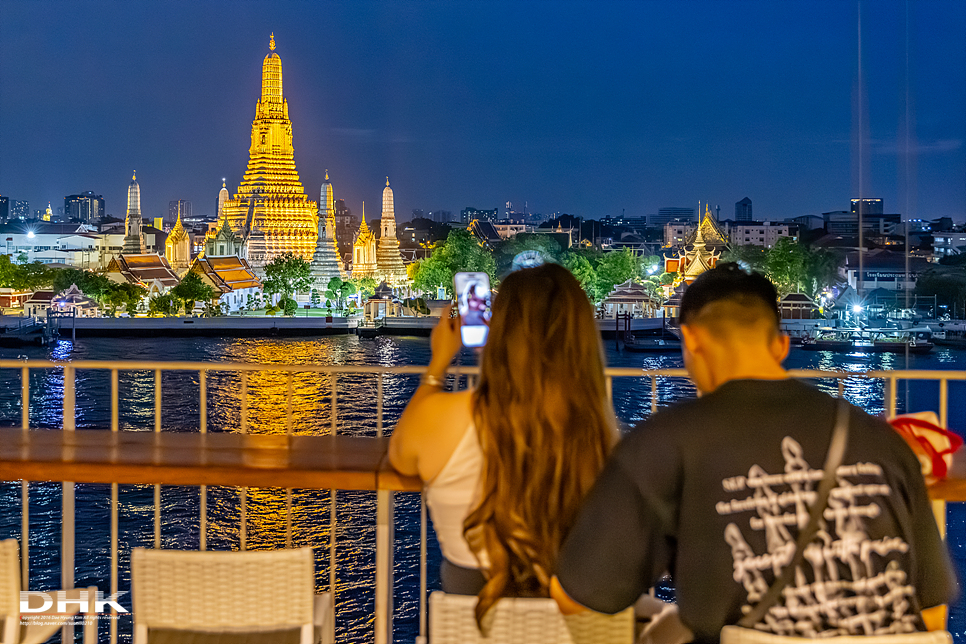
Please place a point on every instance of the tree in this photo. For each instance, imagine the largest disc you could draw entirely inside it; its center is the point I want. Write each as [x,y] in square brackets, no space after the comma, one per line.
[460,252]
[287,274]
[339,290]
[163,304]
[948,284]
[192,289]
[615,268]
[91,284]
[288,305]
[24,277]
[582,270]
[127,295]
[365,287]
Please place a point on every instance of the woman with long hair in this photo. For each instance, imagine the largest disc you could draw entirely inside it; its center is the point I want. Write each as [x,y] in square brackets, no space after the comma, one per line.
[507,464]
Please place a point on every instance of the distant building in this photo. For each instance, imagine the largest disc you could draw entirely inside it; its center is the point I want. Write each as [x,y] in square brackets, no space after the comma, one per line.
[945,244]
[84,207]
[667,215]
[4,208]
[440,216]
[179,209]
[506,229]
[418,213]
[469,213]
[846,223]
[346,225]
[743,210]
[808,222]
[19,209]
[764,234]
[883,269]
[867,206]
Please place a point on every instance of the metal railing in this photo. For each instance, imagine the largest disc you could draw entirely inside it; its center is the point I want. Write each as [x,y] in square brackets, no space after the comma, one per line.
[383,621]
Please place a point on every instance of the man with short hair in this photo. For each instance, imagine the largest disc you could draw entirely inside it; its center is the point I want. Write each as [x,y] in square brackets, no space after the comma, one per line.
[714,490]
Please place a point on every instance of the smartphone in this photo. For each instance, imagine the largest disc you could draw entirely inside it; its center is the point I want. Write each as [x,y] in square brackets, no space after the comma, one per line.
[473,302]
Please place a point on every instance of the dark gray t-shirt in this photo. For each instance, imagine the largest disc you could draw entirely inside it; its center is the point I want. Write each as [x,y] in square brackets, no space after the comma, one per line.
[714,490]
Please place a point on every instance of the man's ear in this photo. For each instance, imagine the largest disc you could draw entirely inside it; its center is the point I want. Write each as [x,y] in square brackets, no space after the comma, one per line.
[689,337]
[781,346]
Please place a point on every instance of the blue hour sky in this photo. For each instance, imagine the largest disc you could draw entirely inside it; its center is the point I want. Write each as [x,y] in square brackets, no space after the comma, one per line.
[592,108]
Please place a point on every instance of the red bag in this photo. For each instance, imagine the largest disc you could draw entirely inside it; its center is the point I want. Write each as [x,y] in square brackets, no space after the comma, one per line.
[932,444]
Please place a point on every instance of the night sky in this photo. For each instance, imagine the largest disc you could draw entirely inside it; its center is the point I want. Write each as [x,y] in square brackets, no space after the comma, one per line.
[591,108]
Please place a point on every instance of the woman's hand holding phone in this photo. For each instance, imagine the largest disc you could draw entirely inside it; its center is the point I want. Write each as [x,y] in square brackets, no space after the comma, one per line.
[445,342]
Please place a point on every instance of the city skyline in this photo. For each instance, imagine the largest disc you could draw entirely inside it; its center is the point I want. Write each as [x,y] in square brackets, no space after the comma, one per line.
[590,109]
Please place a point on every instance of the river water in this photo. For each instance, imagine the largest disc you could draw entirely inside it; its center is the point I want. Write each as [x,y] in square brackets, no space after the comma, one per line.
[356,416]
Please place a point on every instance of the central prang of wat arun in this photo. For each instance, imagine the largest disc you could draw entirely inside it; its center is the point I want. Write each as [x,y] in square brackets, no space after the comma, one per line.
[270,214]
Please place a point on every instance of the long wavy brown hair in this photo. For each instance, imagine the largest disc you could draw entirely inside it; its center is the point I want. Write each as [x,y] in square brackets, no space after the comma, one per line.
[545,425]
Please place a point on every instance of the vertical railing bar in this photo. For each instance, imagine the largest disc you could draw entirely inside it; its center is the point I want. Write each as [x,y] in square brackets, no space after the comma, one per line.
[203,422]
[379,389]
[610,389]
[289,430]
[115,427]
[841,387]
[893,384]
[244,402]
[25,535]
[939,506]
[157,430]
[422,568]
[25,485]
[943,402]
[25,398]
[335,413]
[67,534]
[653,394]
[243,493]
[333,519]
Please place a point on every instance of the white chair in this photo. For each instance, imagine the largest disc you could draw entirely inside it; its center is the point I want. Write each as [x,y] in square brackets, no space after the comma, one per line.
[523,620]
[228,592]
[39,626]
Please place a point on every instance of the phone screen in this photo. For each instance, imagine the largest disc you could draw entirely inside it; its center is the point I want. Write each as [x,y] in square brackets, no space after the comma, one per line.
[473,302]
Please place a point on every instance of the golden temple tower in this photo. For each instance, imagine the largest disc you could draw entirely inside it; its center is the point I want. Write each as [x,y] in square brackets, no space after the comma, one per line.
[283,218]
[177,248]
[389,262]
[364,251]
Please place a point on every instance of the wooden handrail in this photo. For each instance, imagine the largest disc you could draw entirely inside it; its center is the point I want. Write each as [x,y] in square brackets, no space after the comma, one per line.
[169,458]
[235,460]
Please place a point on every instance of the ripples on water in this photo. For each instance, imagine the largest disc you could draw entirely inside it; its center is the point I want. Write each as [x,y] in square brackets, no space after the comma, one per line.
[356,415]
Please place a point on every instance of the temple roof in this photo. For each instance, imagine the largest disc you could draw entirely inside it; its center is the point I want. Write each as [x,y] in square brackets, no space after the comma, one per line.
[629,292]
[228,273]
[143,268]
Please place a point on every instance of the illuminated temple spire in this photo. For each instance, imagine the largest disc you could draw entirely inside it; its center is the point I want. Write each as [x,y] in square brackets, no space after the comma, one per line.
[326,262]
[177,248]
[133,239]
[389,262]
[364,250]
[283,218]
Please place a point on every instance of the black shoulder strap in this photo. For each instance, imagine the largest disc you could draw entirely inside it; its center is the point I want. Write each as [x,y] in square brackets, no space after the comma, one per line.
[833,459]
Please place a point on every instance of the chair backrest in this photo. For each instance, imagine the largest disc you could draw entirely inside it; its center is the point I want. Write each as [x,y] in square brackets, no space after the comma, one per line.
[222,591]
[9,578]
[452,620]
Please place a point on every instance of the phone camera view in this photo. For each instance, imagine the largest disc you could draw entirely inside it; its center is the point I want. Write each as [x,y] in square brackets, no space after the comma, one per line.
[473,301]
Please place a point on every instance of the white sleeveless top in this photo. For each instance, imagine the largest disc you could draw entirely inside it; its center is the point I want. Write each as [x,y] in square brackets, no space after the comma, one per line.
[452,494]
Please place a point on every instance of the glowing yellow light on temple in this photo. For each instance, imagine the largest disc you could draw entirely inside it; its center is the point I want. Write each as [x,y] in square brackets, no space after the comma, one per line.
[270,208]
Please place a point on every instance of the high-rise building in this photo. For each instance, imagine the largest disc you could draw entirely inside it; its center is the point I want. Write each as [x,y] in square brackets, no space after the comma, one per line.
[743,210]
[19,209]
[440,216]
[179,209]
[133,239]
[418,213]
[86,207]
[270,210]
[4,208]
[671,214]
[868,206]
